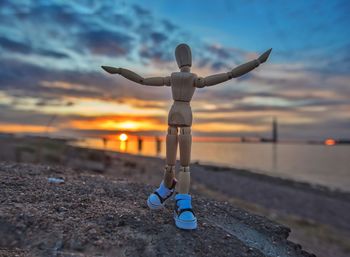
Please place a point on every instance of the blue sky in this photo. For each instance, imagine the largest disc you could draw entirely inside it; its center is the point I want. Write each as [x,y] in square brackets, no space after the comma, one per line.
[50,53]
[256,25]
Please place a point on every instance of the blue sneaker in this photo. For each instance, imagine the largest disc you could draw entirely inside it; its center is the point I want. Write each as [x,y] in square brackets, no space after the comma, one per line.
[158,198]
[183,215]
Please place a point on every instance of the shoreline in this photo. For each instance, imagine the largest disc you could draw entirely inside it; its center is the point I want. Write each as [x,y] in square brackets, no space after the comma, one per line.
[320,166]
[302,185]
[305,200]
[317,215]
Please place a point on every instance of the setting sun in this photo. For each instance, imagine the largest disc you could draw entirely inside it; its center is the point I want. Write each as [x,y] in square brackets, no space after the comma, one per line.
[329,141]
[123,137]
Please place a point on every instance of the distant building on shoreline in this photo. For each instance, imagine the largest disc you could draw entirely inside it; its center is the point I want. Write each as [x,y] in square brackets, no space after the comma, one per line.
[274,130]
[274,135]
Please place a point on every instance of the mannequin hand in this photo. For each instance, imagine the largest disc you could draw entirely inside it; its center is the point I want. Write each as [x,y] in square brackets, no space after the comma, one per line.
[111,70]
[264,56]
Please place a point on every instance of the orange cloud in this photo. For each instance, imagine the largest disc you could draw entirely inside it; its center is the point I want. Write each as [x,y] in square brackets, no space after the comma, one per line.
[125,123]
[17,128]
[227,127]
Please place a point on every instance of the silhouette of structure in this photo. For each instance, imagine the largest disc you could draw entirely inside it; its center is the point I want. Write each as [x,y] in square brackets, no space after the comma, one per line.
[274,130]
[139,144]
[158,145]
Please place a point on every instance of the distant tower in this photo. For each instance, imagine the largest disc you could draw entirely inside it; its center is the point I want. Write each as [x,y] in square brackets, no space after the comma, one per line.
[274,130]
[139,143]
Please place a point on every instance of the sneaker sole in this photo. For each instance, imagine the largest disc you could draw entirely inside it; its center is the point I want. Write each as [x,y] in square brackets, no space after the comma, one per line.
[187,225]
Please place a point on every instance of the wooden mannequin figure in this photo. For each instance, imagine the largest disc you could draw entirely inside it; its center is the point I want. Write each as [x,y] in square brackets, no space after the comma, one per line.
[183,84]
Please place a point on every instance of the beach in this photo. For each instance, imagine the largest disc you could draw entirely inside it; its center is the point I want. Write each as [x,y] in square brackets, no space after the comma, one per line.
[82,213]
[317,216]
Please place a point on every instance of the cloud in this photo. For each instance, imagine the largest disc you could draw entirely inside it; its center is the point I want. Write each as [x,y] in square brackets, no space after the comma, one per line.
[158,37]
[219,66]
[169,26]
[219,51]
[52,53]
[79,32]
[58,65]
[221,57]
[104,42]
[20,79]
[13,46]
[152,53]
[24,117]
[139,11]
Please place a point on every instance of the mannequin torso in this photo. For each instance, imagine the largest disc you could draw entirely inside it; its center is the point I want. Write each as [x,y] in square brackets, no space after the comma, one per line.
[182,87]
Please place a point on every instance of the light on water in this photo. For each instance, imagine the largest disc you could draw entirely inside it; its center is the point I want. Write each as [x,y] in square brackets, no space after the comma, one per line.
[312,163]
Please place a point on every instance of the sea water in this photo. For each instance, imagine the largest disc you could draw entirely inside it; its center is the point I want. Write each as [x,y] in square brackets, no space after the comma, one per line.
[313,163]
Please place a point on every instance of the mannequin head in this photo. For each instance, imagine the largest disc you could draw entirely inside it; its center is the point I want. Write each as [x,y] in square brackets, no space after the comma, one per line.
[183,57]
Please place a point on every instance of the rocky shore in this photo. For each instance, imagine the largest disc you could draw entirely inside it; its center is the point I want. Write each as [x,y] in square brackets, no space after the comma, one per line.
[317,216]
[94,215]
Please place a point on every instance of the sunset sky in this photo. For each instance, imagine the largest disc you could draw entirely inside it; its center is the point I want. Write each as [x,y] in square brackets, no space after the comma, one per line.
[51,53]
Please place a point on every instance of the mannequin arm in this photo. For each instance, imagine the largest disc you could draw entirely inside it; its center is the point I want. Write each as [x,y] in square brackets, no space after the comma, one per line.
[154,81]
[236,72]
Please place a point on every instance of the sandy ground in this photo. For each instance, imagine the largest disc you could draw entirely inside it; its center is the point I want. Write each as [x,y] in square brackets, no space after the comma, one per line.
[94,215]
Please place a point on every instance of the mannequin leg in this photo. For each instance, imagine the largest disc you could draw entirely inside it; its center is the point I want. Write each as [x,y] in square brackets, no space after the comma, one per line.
[157,199]
[185,142]
[171,150]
